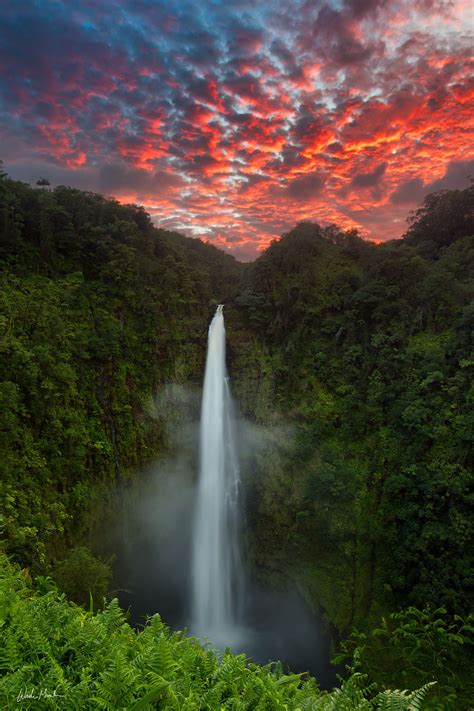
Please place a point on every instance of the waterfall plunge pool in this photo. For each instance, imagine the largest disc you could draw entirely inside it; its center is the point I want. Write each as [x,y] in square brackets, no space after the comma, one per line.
[178,540]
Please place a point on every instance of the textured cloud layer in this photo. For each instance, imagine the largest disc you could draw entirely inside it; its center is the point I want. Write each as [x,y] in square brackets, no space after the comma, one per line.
[234,120]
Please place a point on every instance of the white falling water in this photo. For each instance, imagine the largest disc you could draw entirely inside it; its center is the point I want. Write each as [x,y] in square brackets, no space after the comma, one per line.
[216,563]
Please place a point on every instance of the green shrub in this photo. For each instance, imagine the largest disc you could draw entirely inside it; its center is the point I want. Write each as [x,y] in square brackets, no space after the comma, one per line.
[413,647]
[56,655]
[82,576]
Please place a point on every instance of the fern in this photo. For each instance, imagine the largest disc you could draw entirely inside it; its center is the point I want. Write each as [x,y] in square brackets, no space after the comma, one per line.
[154,694]
[211,699]
[98,661]
[403,700]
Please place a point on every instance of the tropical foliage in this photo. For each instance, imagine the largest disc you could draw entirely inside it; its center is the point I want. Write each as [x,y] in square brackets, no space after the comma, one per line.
[56,655]
[362,354]
[97,309]
[417,647]
[367,351]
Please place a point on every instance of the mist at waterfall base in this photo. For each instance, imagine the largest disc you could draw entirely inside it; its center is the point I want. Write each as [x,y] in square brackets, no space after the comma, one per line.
[162,566]
[152,574]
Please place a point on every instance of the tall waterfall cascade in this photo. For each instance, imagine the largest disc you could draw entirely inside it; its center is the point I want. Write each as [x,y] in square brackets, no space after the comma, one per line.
[217,573]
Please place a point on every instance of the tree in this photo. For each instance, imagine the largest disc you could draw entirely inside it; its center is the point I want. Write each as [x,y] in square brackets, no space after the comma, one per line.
[443,218]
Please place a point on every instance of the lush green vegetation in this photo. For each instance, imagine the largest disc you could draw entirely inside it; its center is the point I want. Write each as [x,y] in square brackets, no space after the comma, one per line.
[367,351]
[98,308]
[50,646]
[365,362]
[416,647]
[362,354]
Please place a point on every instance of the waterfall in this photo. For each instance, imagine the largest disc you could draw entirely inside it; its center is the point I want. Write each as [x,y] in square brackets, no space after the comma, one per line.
[216,563]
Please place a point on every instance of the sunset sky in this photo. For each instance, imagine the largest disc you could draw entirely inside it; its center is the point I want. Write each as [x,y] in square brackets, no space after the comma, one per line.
[234,120]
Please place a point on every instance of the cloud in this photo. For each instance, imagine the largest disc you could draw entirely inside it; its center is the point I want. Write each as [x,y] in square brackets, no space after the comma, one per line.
[457,176]
[306,187]
[370,179]
[336,35]
[119,178]
[362,8]
[409,192]
[241,119]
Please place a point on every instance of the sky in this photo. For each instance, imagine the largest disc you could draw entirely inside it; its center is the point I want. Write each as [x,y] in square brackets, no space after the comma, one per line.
[233,120]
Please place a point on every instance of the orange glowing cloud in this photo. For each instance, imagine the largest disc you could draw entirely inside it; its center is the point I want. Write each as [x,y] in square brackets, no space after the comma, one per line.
[234,123]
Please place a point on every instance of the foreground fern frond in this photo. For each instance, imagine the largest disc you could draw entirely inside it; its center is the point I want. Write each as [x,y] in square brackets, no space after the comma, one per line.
[397,700]
[55,655]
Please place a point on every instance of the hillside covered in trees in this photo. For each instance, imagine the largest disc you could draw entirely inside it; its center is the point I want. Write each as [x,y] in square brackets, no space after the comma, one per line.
[363,352]
[98,308]
[367,350]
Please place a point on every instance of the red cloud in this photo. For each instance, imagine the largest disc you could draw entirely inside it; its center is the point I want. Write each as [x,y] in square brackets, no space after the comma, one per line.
[235,134]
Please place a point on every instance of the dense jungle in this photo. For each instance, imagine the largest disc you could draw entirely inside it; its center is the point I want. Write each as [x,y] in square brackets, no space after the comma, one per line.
[360,355]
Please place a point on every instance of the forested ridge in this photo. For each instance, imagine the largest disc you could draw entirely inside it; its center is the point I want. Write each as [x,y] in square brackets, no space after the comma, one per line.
[368,351]
[98,308]
[363,351]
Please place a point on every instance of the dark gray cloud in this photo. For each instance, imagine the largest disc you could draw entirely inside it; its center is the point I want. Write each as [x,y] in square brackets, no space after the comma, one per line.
[410,191]
[370,179]
[306,186]
[334,32]
[116,177]
[456,177]
[362,8]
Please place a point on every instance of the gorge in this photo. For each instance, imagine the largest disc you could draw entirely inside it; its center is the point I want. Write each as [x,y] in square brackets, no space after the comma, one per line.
[349,361]
[202,582]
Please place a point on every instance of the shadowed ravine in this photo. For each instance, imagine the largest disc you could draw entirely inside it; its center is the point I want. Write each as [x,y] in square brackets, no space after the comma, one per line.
[181,552]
